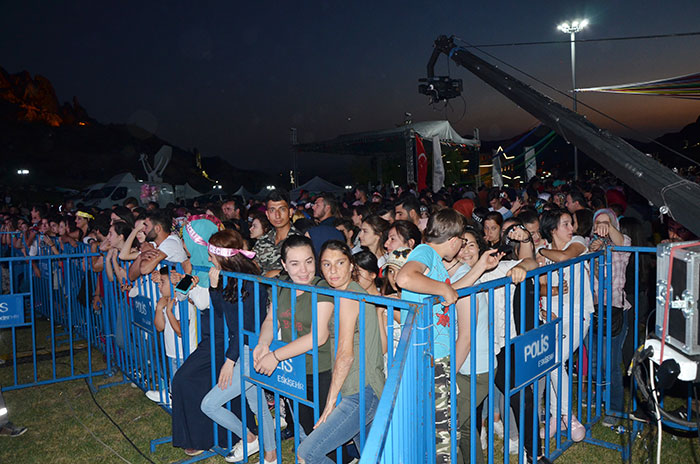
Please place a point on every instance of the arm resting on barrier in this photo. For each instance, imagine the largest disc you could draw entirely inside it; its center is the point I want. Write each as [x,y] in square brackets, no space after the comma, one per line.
[411,277]
[150,260]
[266,364]
[349,310]
[572,251]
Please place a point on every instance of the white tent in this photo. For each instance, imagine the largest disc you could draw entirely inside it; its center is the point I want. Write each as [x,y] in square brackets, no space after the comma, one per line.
[242,192]
[316,185]
[186,192]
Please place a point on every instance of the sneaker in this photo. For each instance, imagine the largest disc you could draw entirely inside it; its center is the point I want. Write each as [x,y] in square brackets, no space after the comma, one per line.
[578,431]
[274,461]
[193,452]
[484,438]
[236,453]
[155,396]
[610,421]
[12,430]
[498,428]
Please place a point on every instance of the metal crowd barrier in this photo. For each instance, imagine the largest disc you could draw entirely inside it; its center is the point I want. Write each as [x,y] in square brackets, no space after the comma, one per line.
[402,430]
[44,313]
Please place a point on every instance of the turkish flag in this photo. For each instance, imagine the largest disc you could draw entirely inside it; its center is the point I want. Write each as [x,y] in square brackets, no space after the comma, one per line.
[422,164]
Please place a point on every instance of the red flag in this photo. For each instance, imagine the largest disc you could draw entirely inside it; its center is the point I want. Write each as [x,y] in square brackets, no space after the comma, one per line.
[422,164]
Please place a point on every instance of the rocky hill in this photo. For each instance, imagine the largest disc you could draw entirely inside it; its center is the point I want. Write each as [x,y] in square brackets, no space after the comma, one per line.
[61,145]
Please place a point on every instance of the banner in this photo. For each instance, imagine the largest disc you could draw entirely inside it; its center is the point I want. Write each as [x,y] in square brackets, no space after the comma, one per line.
[438,167]
[686,86]
[422,161]
[496,178]
[530,162]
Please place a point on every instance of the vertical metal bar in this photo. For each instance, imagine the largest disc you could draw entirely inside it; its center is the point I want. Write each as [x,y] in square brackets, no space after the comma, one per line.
[362,341]
[453,383]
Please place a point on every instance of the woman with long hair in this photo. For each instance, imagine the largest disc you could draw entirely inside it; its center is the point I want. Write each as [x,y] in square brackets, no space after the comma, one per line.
[558,229]
[402,234]
[341,423]
[371,234]
[298,260]
[191,428]
[226,253]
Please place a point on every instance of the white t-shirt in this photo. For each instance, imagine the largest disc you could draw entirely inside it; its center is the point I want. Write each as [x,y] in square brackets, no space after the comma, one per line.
[173,249]
[499,303]
[588,307]
[175,253]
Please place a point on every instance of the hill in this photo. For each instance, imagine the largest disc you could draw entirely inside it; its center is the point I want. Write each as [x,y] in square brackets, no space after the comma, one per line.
[61,145]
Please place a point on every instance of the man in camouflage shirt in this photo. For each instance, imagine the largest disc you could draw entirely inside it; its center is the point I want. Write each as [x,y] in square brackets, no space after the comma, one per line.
[267,248]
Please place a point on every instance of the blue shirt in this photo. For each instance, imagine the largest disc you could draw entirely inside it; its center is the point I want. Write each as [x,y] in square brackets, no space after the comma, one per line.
[425,254]
[321,233]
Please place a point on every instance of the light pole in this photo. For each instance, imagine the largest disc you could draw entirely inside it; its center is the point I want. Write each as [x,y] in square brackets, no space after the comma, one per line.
[572,29]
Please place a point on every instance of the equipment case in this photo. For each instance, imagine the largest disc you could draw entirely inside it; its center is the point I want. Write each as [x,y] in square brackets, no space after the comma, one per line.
[683,329]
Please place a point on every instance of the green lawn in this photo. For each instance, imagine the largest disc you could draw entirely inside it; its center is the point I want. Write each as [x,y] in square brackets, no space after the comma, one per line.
[65,425]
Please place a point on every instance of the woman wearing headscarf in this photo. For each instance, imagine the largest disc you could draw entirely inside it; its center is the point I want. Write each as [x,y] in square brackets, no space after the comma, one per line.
[606,232]
[191,428]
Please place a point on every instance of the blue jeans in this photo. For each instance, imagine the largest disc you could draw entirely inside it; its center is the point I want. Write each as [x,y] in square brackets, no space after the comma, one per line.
[615,383]
[214,401]
[617,387]
[340,426]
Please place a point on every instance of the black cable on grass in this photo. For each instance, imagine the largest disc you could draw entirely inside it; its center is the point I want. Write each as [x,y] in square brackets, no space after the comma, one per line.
[92,395]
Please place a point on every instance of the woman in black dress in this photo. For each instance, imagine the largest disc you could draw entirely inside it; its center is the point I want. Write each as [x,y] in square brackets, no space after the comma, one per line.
[191,428]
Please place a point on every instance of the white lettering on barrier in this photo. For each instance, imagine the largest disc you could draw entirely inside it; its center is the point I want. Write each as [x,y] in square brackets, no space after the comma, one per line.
[537,348]
[4,308]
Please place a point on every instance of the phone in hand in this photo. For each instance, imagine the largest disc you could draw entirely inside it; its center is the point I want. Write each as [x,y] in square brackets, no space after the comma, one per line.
[185,284]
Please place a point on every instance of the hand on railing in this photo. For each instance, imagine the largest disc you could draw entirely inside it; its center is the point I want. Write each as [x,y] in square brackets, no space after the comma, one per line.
[517,274]
[448,294]
[259,353]
[267,364]
[96,303]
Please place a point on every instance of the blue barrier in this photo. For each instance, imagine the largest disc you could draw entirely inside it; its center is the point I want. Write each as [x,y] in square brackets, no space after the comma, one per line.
[40,304]
[402,430]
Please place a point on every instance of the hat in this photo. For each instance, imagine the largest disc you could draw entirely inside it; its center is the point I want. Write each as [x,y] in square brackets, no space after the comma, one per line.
[397,257]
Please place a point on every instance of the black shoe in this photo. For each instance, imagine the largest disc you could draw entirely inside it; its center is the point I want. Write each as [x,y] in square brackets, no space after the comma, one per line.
[287,433]
[11,430]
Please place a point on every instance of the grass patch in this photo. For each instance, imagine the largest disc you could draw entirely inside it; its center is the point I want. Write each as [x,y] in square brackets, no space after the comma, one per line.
[65,425]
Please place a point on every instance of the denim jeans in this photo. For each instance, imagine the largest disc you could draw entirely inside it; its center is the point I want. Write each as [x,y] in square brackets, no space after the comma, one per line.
[214,401]
[340,426]
[616,381]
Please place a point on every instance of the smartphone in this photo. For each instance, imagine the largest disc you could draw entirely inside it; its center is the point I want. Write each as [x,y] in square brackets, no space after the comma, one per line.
[184,285]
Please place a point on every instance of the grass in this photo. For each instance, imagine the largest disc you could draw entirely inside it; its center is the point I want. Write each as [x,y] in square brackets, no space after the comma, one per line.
[66,426]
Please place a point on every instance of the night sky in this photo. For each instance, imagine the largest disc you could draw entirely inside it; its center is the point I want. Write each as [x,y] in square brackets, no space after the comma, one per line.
[231,78]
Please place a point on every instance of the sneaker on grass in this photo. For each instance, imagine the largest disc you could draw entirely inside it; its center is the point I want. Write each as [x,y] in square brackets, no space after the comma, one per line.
[12,430]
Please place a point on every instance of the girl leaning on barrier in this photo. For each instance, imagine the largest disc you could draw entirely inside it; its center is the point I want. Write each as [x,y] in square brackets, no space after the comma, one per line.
[606,232]
[300,264]
[194,401]
[557,228]
[341,423]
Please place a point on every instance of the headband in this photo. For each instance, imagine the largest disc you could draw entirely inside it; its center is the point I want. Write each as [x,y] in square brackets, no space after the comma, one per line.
[85,215]
[219,251]
[196,238]
[228,252]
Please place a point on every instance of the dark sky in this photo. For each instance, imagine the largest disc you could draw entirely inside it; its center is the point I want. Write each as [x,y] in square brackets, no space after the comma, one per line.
[232,77]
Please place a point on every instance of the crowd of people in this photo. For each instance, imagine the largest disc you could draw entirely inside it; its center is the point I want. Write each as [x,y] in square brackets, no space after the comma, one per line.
[394,242]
